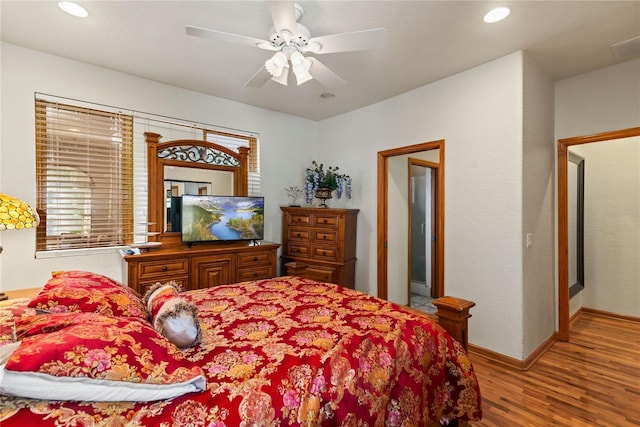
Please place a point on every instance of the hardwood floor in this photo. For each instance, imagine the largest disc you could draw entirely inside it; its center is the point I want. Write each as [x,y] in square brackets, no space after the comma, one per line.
[593,380]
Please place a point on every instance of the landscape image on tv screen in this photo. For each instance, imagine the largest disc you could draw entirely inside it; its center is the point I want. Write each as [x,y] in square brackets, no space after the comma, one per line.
[211,218]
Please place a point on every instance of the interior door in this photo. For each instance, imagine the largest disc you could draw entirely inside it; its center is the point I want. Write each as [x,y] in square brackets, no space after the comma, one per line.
[419,219]
[422,220]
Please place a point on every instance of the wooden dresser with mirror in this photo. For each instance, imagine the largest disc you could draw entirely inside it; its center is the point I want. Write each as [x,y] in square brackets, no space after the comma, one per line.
[172,167]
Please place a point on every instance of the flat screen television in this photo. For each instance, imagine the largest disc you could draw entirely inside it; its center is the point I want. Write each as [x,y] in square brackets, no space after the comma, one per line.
[221,218]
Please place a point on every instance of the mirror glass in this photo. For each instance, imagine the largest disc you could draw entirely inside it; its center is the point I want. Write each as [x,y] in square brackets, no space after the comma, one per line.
[194,181]
[575,217]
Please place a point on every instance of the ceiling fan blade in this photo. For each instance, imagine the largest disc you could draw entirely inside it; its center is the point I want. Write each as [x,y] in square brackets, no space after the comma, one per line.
[259,79]
[347,42]
[283,14]
[324,75]
[229,37]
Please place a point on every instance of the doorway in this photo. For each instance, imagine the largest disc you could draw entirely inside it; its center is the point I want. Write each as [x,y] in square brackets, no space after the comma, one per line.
[563,218]
[393,192]
[422,228]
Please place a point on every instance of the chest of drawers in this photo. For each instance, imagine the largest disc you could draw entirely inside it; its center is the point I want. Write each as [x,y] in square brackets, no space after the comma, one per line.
[202,266]
[322,238]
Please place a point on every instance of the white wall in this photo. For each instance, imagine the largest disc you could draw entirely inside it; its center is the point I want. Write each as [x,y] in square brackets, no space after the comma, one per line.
[25,71]
[601,101]
[479,115]
[538,193]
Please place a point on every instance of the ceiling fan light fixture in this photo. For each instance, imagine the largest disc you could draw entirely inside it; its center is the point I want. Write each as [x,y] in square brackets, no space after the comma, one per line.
[276,64]
[290,40]
[301,67]
[286,36]
[313,47]
[263,44]
[283,77]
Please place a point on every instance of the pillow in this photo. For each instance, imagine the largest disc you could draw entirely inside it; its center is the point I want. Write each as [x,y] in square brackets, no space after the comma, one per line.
[81,291]
[171,315]
[71,356]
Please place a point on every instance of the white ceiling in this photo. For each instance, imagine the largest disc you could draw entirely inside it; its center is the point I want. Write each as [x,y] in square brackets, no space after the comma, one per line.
[428,40]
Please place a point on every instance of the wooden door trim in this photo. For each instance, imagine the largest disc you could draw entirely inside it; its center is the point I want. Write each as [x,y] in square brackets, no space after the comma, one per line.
[383,166]
[563,215]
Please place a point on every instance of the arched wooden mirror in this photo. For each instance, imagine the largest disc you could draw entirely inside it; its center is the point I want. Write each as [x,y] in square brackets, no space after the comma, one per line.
[188,166]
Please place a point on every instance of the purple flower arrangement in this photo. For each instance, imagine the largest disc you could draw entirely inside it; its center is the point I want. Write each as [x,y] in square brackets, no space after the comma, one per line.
[317,176]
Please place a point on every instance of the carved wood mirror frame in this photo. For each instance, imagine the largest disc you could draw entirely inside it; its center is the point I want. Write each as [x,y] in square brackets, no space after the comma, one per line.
[186,153]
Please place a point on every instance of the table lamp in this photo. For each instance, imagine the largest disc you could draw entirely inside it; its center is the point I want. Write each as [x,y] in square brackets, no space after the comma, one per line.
[16,215]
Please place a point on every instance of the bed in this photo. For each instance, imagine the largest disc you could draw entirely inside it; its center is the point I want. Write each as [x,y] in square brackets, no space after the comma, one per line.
[276,352]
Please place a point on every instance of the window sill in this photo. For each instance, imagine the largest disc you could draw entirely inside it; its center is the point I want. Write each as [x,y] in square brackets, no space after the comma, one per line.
[77,252]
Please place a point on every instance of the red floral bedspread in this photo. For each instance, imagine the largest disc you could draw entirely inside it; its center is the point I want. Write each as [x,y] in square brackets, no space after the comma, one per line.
[290,351]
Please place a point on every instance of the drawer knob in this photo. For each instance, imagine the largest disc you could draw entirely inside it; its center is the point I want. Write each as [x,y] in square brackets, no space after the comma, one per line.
[165,268]
[324,236]
[255,274]
[255,258]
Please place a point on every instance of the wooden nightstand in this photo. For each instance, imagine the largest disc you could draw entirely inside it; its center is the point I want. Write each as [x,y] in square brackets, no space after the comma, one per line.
[19,293]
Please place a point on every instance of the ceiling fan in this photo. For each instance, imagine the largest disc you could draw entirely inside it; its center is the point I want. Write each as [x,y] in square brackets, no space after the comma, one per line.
[291,40]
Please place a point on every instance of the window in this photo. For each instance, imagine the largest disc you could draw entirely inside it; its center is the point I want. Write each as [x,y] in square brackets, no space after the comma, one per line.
[92,170]
[84,174]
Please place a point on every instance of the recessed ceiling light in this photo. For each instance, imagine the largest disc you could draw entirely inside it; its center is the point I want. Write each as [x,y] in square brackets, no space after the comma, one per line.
[497,14]
[73,9]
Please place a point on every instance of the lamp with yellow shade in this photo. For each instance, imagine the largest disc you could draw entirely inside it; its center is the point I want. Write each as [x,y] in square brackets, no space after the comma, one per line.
[16,214]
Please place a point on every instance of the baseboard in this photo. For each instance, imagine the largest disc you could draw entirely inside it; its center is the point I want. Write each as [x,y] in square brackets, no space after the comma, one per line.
[522,365]
[525,365]
[495,357]
[603,313]
[575,316]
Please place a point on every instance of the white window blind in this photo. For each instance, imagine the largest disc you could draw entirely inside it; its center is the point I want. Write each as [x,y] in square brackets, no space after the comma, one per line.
[77,145]
[84,173]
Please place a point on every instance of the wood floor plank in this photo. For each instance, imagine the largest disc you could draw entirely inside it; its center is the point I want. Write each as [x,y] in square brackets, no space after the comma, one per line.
[593,380]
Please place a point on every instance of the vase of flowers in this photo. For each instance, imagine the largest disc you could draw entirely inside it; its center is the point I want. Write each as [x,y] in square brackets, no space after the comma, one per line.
[321,182]
[323,194]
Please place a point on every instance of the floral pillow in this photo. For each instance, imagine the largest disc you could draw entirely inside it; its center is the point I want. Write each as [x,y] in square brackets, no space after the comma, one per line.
[81,291]
[173,316]
[76,356]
